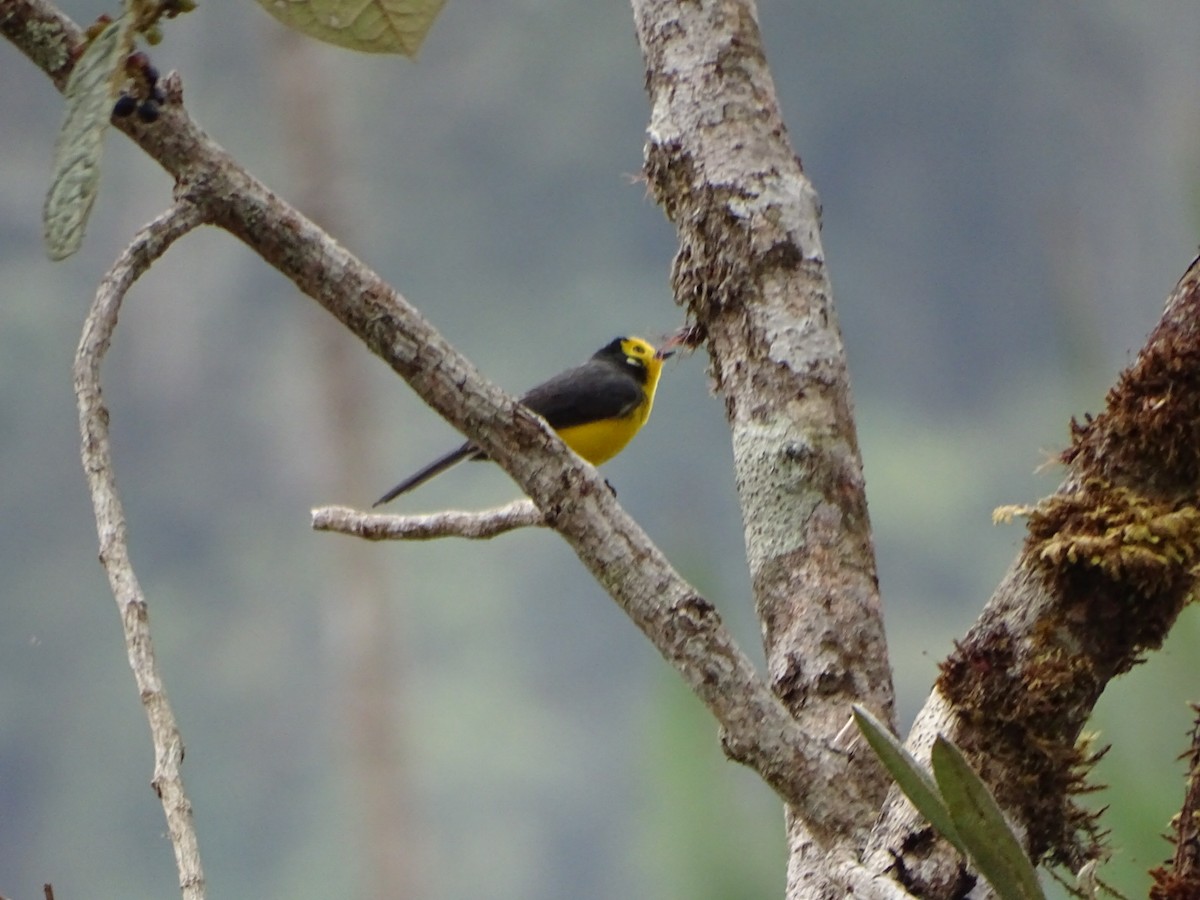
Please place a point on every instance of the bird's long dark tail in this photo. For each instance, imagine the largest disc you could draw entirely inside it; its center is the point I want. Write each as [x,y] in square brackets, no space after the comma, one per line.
[437,467]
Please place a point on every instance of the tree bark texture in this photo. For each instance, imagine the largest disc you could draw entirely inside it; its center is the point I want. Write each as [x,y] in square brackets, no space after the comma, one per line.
[751,272]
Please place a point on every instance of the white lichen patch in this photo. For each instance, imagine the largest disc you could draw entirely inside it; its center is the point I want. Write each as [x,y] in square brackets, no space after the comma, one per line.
[773,464]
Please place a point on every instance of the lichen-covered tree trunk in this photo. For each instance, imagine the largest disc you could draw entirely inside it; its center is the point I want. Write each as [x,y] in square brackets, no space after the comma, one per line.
[751,272]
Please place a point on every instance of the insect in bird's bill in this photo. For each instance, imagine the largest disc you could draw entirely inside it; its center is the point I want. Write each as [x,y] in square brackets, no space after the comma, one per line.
[596,408]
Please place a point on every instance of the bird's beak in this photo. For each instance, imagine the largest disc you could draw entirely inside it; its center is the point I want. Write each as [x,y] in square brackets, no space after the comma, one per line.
[665,353]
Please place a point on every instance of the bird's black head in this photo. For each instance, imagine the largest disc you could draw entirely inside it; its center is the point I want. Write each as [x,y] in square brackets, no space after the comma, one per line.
[611,351]
[632,354]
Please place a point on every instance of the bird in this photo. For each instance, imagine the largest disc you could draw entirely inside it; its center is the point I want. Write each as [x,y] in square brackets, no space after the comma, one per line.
[596,408]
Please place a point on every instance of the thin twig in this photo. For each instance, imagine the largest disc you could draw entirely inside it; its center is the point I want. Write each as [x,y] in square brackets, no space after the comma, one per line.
[148,245]
[479,525]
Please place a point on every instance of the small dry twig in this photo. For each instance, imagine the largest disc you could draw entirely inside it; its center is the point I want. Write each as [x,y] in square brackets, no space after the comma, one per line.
[487,523]
[148,245]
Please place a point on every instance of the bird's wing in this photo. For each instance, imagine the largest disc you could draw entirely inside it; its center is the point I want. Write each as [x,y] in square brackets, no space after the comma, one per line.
[587,393]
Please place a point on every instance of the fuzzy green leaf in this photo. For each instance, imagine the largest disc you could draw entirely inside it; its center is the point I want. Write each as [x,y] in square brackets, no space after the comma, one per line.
[990,843]
[911,777]
[90,93]
[372,26]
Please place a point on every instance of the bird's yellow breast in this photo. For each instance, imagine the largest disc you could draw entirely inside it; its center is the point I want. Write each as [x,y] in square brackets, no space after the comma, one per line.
[598,442]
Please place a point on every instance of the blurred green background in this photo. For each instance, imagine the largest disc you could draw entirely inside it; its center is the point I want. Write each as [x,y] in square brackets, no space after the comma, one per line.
[1009,193]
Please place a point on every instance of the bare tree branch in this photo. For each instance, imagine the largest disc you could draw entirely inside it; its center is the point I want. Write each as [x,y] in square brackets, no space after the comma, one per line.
[149,244]
[451,523]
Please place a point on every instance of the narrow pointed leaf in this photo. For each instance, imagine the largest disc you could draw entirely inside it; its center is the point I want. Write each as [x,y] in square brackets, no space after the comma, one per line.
[372,26]
[911,777]
[989,840]
[90,93]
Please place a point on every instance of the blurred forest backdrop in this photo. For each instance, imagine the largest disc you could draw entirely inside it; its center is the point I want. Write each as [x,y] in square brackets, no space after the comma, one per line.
[1010,190]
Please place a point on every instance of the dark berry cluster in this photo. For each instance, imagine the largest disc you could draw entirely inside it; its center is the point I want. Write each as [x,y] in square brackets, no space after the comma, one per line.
[143,95]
